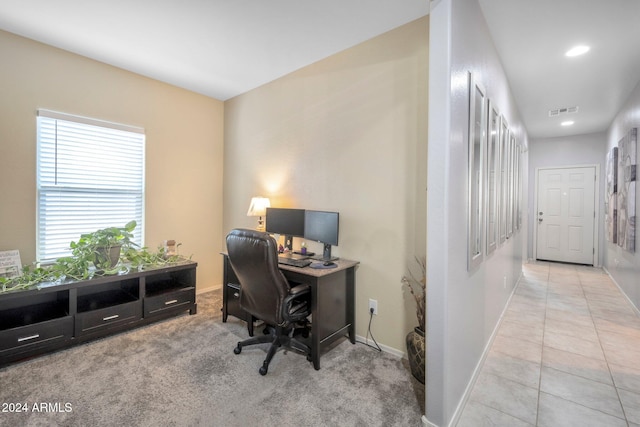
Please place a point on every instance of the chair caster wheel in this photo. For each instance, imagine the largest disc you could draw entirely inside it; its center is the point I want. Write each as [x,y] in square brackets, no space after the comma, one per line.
[263,370]
[237,350]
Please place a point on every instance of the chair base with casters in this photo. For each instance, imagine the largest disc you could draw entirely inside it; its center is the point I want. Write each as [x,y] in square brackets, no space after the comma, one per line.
[280,338]
[266,294]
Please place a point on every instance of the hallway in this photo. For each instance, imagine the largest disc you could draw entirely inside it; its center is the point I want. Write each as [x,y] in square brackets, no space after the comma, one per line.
[567,353]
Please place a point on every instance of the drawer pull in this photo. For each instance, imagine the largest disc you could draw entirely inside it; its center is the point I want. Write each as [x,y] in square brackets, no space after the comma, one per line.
[173,301]
[31,337]
[236,295]
[115,316]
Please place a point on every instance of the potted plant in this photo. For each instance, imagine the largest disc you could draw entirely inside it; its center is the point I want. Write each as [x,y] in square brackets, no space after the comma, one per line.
[416,342]
[103,247]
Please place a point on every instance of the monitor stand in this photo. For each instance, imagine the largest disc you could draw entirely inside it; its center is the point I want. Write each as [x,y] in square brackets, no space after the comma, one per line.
[326,254]
[288,242]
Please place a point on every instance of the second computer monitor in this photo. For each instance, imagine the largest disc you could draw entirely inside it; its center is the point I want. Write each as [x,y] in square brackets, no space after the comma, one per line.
[289,222]
[321,226]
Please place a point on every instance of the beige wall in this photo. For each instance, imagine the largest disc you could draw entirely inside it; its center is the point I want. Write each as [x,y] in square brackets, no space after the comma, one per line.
[184,148]
[349,134]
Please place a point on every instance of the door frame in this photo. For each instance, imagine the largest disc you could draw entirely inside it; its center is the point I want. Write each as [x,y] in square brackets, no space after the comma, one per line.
[596,221]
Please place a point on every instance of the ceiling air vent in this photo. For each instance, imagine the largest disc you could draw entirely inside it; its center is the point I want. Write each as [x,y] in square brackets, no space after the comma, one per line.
[561,111]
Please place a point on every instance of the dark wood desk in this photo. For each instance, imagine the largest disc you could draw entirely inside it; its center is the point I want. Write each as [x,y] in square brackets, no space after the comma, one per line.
[332,301]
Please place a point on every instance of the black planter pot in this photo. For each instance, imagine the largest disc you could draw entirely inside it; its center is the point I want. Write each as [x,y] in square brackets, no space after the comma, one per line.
[417,353]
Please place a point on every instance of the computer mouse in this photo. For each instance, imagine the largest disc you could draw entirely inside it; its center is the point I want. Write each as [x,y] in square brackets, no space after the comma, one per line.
[327,263]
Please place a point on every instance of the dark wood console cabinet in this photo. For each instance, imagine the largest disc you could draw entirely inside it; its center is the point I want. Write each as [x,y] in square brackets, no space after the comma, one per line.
[37,321]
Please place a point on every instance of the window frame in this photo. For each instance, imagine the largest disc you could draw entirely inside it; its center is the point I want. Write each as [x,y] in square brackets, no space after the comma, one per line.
[60,179]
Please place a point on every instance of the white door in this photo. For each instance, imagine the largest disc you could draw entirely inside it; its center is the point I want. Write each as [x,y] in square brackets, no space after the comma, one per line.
[566,215]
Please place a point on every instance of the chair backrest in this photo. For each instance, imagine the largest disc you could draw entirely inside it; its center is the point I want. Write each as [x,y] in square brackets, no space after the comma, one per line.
[253,255]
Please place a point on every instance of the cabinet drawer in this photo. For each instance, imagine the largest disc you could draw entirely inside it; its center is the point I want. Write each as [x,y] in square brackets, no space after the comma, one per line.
[105,318]
[180,299]
[37,335]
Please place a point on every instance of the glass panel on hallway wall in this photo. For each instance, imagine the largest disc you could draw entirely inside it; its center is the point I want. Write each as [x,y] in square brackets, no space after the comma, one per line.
[510,174]
[518,211]
[493,159]
[610,200]
[503,188]
[476,146]
[516,186]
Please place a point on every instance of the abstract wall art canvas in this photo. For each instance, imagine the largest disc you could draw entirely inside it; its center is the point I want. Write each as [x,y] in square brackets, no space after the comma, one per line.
[627,160]
[611,208]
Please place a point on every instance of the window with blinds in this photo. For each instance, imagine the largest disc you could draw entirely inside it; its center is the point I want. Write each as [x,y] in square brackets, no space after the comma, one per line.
[90,176]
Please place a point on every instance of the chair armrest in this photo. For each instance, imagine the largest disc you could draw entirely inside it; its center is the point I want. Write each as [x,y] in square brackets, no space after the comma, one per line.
[296,305]
[298,290]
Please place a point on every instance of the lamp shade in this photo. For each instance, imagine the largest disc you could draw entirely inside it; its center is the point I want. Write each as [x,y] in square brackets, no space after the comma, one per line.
[258,206]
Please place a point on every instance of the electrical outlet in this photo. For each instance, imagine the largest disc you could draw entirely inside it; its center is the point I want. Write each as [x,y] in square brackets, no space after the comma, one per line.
[373,304]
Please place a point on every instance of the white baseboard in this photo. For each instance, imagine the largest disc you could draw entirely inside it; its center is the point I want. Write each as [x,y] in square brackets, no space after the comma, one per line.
[485,353]
[426,422]
[385,348]
[359,338]
[209,289]
[636,309]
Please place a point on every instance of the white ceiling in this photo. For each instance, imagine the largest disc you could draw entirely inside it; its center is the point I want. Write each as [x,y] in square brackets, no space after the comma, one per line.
[222,48]
[219,48]
[531,38]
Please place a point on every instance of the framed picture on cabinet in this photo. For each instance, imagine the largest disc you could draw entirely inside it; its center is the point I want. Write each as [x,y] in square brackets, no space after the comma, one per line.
[10,264]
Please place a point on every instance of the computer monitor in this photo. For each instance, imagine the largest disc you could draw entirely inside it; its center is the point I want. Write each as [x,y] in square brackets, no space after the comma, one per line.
[286,221]
[321,226]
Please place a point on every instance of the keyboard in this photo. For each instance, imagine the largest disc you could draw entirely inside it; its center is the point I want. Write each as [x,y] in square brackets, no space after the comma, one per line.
[296,262]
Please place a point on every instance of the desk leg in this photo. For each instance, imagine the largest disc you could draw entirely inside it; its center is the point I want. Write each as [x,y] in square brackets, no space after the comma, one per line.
[225,313]
[351,303]
[315,357]
[315,329]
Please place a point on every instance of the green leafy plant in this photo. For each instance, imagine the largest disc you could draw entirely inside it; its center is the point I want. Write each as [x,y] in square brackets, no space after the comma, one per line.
[31,276]
[90,257]
[97,247]
[142,258]
[418,289]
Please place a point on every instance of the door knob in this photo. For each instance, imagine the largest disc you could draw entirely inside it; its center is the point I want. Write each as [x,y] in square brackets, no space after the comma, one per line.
[539,213]
[539,219]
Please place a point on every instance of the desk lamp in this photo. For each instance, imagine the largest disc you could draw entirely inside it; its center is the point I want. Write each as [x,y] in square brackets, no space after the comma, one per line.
[258,207]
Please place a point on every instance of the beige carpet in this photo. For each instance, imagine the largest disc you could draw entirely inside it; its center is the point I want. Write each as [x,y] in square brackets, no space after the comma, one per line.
[182,372]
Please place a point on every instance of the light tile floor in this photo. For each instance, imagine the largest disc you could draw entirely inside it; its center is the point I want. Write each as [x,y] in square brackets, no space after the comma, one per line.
[567,353]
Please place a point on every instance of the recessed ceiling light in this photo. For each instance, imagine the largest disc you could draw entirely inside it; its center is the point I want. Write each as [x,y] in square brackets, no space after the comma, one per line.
[577,50]
[567,123]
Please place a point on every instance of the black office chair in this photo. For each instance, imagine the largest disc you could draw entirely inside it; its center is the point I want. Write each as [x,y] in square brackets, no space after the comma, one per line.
[266,294]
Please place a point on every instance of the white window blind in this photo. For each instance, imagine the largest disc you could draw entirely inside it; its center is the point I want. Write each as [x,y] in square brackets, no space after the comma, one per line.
[90,176]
